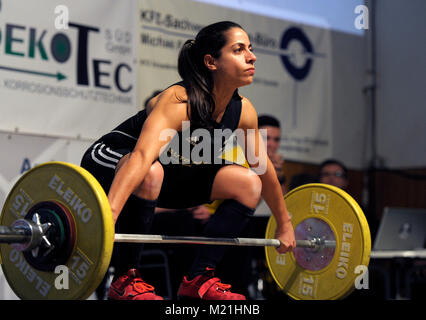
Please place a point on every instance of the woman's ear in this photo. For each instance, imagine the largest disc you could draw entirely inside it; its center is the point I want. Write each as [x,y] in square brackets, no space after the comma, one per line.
[210,62]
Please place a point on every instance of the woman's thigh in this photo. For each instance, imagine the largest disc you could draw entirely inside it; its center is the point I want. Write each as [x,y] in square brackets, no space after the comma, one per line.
[239,183]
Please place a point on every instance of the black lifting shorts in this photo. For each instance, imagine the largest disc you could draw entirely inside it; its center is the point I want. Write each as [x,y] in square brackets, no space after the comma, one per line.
[187,186]
[183,186]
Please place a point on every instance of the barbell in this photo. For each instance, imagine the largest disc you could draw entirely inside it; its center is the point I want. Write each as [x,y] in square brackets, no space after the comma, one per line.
[58,214]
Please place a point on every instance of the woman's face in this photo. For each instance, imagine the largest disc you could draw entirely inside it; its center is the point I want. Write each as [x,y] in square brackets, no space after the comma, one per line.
[236,62]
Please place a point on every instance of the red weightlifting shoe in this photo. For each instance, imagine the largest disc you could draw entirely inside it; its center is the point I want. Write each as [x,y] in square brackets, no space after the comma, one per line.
[132,287]
[207,287]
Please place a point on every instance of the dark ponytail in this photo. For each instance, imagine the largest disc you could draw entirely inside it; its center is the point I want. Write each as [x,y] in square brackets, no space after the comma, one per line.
[197,78]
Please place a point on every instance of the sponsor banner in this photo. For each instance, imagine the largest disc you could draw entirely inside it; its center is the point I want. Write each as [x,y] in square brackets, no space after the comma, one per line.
[293,67]
[68,68]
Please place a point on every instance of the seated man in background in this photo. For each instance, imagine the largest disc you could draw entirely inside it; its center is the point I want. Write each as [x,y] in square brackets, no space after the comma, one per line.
[335,173]
[273,138]
[273,131]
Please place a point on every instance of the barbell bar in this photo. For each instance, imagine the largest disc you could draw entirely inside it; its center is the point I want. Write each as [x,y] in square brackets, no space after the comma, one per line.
[314,243]
[25,235]
[58,214]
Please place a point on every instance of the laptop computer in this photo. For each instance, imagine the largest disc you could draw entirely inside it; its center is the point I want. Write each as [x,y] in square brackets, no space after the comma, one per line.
[401,229]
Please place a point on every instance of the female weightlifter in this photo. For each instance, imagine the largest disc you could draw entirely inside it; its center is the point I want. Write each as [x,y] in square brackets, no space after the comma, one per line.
[128,163]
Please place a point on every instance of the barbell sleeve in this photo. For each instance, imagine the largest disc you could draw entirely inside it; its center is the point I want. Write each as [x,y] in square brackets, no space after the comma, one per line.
[13,235]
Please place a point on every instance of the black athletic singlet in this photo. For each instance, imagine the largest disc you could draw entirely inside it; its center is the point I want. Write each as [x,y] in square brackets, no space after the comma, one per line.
[187,179]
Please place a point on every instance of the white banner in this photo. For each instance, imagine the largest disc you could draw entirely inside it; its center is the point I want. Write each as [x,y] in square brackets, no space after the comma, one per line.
[293,68]
[68,68]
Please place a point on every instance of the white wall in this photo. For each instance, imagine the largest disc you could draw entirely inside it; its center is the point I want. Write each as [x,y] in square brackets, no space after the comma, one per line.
[401,78]
[350,110]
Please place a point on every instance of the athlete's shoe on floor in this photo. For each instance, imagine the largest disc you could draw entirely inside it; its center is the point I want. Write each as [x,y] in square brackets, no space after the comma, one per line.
[131,287]
[207,287]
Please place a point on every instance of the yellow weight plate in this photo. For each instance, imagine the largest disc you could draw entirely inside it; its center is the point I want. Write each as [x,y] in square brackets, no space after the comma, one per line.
[78,191]
[321,210]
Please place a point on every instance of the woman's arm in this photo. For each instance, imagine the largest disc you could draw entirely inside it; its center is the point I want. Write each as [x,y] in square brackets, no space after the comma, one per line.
[258,160]
[168,113]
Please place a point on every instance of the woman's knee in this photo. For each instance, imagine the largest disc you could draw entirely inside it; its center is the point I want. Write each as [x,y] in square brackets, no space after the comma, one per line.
[151,185]
[253,190]
[238,183]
